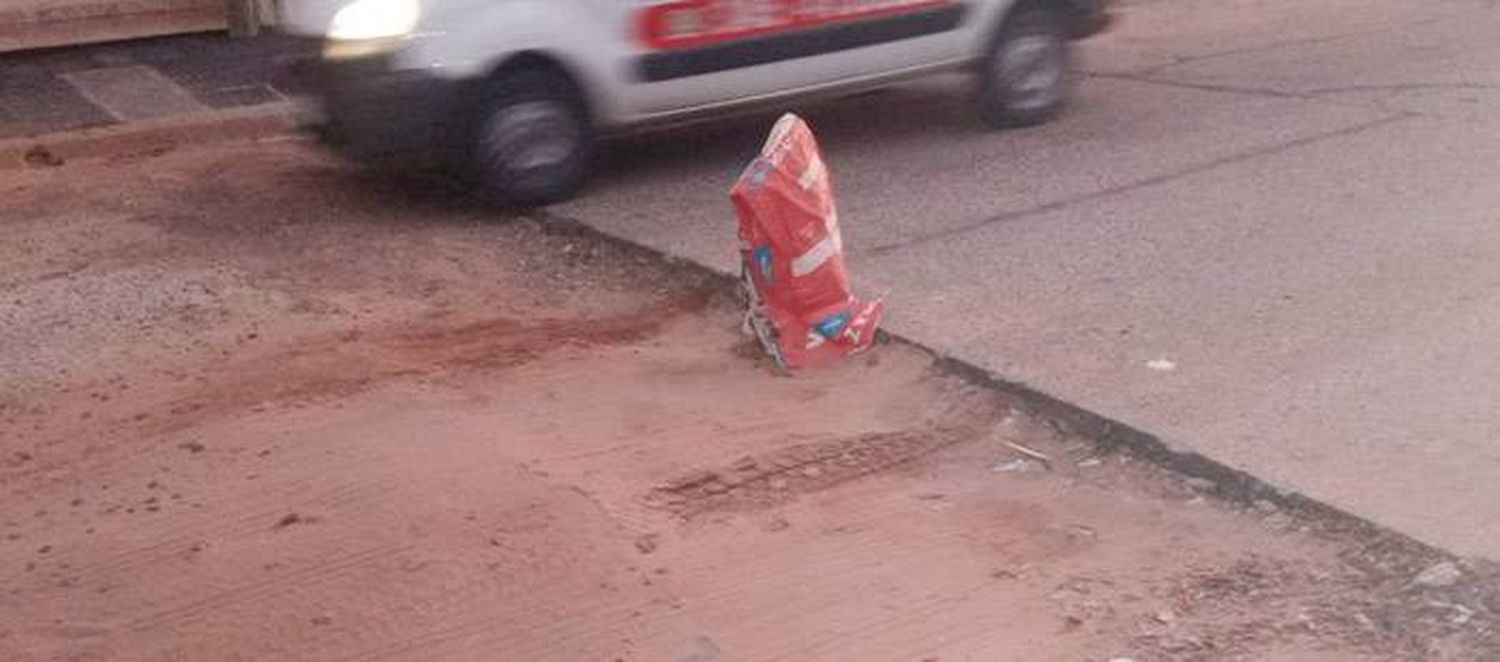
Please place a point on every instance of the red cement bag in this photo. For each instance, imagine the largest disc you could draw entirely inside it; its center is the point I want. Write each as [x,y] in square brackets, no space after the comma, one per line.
[792,257]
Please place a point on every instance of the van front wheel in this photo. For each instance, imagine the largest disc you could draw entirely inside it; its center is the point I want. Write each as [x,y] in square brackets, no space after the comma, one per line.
[1023,79]
[533,142]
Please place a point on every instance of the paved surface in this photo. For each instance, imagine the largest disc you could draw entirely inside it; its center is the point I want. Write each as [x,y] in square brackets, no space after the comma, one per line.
[77,88]
[1267,232]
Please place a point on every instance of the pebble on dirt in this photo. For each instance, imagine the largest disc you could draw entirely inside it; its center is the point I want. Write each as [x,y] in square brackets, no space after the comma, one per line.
[1201,484]
[647,543]
[1440,575]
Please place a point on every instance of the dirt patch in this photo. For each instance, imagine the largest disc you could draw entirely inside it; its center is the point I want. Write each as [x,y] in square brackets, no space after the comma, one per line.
[260,407]
[318,369]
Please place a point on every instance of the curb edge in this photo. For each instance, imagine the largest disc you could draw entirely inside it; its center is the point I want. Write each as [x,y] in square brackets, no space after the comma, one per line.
[1230,484]
[150,135]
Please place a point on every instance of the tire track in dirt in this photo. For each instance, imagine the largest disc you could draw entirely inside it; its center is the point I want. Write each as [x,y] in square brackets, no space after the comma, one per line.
[914,615]
[494,636]
[898,559]
[764,481]
[775,478]
[211,526]
[247,593]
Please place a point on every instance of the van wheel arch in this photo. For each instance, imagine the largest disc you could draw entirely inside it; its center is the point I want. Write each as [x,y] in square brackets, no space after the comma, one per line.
[541,62]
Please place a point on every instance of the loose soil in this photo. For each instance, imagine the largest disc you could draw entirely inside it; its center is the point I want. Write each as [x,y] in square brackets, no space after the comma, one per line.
[259,406]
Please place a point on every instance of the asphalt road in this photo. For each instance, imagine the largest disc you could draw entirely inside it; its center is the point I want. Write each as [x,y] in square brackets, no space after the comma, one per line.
[1268,231]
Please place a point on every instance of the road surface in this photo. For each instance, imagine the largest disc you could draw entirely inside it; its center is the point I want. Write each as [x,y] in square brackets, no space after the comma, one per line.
[1266,232]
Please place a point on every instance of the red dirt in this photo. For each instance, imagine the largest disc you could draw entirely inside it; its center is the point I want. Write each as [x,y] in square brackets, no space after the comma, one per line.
[259,407]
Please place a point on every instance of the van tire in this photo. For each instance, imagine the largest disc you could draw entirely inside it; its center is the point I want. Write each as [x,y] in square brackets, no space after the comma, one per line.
[533,143]
[1023,77]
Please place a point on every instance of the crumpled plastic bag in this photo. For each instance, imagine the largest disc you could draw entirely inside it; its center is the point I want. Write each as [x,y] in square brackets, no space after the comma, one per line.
[799,303]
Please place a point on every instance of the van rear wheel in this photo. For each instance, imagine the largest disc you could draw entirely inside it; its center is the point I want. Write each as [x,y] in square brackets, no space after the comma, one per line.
[1023,79]
[533,141]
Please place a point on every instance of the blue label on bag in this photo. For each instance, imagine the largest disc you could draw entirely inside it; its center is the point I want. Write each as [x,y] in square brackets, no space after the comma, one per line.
[833,326]
[757,172]
[765,262]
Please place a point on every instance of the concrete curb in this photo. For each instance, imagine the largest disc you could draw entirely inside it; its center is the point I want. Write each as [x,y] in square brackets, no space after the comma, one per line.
[1230,484]
[146,136]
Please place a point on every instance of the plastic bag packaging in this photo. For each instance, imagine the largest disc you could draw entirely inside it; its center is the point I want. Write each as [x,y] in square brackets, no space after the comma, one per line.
[797,289]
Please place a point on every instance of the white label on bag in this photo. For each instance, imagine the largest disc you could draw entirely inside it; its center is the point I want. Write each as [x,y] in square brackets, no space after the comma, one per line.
[815,257]
[814,173]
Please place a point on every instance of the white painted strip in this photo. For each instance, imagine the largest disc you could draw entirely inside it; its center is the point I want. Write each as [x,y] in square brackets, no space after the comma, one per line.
[814,174]
[815,257]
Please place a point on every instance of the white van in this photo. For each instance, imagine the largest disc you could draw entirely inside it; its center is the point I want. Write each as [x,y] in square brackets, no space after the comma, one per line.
[517,91]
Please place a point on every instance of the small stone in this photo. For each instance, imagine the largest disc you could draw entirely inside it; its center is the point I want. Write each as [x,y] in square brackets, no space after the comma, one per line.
[647,543]
[813,471]
[1278,521]
[192,447]
[1161,365]
[1440,575]
[1091,462]
[1201,484]
[1018,465]
[1165,617]
[41,157]
[693,479]
[288,520]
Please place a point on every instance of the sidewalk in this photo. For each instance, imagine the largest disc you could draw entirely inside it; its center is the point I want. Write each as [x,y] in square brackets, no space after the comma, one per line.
[103,85]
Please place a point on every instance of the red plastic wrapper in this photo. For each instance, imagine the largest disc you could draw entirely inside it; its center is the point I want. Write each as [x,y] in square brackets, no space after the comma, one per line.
[797,289]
